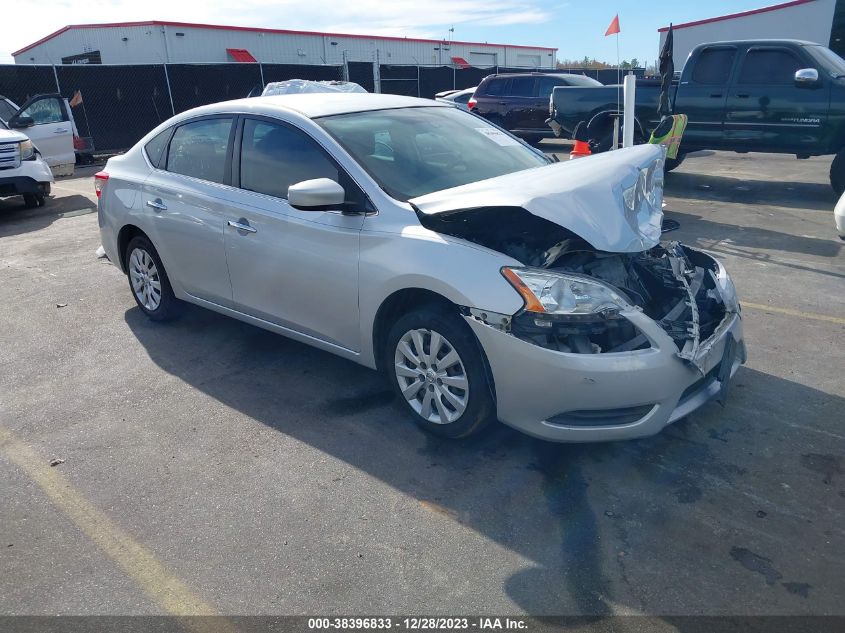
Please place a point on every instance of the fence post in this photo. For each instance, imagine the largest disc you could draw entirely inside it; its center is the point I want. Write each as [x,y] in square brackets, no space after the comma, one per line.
[418,81]
[454,77]
[169,91]
[377,74]
[345,66]
[56,77]
[261,72]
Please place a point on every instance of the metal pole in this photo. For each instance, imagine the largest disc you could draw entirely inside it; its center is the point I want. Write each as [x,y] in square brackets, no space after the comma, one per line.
[418,80]
[261,72]
[630,88]
[56,76]
[377,74]
[169,91]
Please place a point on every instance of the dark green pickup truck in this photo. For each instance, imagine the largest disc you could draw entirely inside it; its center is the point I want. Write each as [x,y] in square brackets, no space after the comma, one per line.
[776,96]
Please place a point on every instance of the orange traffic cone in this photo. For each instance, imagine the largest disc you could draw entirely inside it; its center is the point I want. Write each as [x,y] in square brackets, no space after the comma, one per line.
[582,146]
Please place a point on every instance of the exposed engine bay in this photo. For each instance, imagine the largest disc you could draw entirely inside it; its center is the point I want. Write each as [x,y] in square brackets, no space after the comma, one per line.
[674,285]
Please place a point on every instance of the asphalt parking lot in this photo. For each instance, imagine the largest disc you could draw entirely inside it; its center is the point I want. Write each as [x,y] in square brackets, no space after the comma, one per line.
[213,467]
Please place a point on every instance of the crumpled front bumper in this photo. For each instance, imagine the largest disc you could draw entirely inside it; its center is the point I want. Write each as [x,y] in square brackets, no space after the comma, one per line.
[613,396]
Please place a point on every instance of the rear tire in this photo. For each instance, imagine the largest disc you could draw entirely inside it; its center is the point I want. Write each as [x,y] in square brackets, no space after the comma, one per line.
[148,280]
[673,163]
[837,173]
[446,390]
[32,200]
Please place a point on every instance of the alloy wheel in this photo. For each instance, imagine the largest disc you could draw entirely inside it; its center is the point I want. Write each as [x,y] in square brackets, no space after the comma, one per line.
[146,283]
[431,376]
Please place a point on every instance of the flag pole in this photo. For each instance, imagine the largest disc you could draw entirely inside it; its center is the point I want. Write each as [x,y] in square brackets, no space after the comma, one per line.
[618,72]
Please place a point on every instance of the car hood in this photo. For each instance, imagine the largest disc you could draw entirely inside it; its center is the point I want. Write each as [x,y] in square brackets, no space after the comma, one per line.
[612,200]
[9,136]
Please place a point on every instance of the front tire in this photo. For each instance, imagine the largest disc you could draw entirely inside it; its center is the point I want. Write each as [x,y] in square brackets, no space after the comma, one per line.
[837,173]
[436,368]
[148,280]
[33,200]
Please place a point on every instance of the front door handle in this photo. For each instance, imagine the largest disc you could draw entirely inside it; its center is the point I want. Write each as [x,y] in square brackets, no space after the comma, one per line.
[157,204]
[716,95]
[243,225]
[60,131]
[742,96]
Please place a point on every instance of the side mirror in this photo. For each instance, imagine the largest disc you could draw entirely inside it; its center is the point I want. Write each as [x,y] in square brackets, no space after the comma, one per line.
[320,194]
[806,77]
[21,122]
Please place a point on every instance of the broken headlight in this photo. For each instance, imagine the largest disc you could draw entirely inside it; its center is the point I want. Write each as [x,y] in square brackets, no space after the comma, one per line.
[727,290]
[566,295]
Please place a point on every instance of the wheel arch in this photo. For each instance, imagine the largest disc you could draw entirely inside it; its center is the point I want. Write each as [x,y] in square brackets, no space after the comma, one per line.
[124,236]
[397,304]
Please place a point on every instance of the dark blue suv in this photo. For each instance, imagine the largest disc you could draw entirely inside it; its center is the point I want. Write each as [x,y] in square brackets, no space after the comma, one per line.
[520,102]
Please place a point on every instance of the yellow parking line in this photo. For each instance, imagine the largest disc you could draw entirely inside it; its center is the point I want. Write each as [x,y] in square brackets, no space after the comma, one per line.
[173,595]
[795,313]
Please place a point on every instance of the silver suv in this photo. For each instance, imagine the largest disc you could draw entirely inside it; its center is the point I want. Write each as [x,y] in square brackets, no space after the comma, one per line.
[485,279]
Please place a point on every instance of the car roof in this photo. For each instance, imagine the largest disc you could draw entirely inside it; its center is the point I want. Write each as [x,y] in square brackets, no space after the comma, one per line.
[314,105]
[533,74]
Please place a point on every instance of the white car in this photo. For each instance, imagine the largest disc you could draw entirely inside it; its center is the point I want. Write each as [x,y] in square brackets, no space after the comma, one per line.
[22,171]
[485,279]
[48,122]
[458,98]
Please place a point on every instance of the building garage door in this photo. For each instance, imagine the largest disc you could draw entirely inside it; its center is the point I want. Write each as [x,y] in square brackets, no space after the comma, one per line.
[528,60]
[482,59]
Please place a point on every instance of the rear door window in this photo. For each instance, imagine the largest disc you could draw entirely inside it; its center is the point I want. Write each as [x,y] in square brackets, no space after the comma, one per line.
[545,85]
[713,66]
[522,87]
[199,149]
[772,66]
[496,87]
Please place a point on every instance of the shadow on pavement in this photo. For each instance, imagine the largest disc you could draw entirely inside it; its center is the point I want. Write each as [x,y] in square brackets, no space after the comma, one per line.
[798,195]
[600,525]
[16,219]
[734,237]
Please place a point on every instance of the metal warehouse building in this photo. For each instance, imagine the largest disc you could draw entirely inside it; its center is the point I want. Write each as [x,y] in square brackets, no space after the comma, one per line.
[174,42]
[819,21]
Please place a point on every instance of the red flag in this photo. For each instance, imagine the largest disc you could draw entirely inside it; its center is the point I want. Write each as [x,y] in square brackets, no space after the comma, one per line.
[77,99]
[613,29]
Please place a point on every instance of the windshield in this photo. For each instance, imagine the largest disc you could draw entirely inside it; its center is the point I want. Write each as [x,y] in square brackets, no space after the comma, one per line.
[414,151]
[834,64]
[582,80]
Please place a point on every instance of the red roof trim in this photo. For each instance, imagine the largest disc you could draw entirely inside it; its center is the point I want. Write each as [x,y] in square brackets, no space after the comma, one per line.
[241,55]
[741,14]
[191,25]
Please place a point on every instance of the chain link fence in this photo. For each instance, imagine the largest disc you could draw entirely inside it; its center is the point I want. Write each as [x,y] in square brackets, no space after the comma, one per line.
[116,105]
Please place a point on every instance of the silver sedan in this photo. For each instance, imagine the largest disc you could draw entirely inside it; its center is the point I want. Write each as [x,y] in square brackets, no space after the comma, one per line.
[485,279]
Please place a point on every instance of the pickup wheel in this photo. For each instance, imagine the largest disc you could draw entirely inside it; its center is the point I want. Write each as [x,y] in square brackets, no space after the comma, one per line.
[837,173]
[32,200]
[672,163]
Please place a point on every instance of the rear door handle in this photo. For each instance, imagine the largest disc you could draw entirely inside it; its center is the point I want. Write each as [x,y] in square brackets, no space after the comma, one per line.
[717,95]
[742,96]
[157,204]
[242,225]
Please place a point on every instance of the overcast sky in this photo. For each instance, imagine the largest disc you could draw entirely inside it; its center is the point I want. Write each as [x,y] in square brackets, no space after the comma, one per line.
[575,27]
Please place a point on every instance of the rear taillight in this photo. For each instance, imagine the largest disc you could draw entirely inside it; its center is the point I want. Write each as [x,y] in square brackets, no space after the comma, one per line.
[472,103]
[100,179]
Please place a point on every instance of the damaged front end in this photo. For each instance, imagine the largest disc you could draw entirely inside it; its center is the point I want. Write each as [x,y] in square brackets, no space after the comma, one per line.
[591,253]
[584,295]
